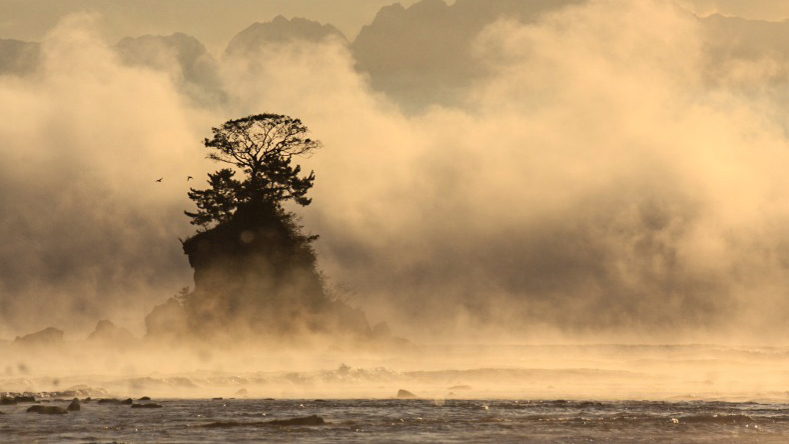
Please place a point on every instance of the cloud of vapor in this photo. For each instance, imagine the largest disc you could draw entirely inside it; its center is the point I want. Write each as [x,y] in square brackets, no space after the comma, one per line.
[87,232]
[595,181]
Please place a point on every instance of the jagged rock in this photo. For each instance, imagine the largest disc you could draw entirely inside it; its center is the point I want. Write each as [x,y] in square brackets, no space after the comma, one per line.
[381,330]
[423,54]
[113,401]
[149,405]
[74,406]
[18,57]
[257,273]
[405,394]
[107,332]
[166,321]
[47,337]
[311,420]
[183,57]
[47,410]
[280,30]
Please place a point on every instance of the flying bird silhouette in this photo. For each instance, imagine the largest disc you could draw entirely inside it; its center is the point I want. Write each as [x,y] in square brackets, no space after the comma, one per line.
[159,179]
[189,178]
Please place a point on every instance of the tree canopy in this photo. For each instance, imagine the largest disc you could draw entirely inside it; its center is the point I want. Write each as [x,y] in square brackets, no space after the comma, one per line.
[262,148]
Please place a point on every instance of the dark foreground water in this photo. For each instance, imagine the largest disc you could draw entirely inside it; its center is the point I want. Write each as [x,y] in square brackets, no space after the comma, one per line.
[402,421]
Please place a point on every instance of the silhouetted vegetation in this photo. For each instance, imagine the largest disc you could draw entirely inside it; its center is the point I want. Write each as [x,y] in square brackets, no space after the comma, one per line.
[254,268]
[262,147]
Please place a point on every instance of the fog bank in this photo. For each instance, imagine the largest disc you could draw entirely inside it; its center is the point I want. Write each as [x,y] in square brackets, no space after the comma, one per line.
[603,176]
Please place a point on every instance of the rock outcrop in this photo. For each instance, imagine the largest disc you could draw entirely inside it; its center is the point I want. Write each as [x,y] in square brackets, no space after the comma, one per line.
[74,406]
[47,410]
[405,394]
[48,337]
[18,57]
[108,333]
[182,57]
[257,274]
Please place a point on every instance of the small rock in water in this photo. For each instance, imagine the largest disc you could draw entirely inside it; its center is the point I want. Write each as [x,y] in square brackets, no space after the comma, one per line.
[405,394]
[74,406]
[116,401]
[47,410]
[307,420]
[149,405]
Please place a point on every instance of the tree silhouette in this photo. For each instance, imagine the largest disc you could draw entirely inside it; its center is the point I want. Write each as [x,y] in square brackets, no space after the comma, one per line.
[261,146]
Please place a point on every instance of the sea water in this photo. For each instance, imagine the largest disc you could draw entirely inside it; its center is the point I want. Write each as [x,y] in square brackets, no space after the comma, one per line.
[405,421]
[501,394]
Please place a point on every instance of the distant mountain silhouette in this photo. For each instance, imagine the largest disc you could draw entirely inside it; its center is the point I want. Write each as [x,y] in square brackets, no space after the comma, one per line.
[18,57]
[187,61]
[280,30]
[422,54]
[732,39]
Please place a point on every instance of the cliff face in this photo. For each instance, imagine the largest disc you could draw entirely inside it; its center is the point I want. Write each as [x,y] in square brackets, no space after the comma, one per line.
[257,274]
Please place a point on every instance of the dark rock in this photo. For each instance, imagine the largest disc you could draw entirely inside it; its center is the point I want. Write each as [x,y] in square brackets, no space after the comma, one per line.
[257,273]
[47,337]
[18,57]
[47,410]
[149,405]
[382,330]
[183,57]
[5,400]
[166,321]
[423,54]
[74,406]
[113,401]
[405,394]
[107,332]
[311,420]
[145,398]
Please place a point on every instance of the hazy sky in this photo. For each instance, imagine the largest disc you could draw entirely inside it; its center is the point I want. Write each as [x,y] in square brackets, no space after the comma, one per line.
[773,10]
[602,176]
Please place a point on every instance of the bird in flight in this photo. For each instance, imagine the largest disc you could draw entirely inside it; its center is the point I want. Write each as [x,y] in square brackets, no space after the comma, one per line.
[189,178]
[159,179]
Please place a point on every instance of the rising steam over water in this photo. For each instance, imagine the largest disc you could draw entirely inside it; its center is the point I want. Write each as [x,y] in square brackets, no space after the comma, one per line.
[535,205]
[611,393]
[598,176]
